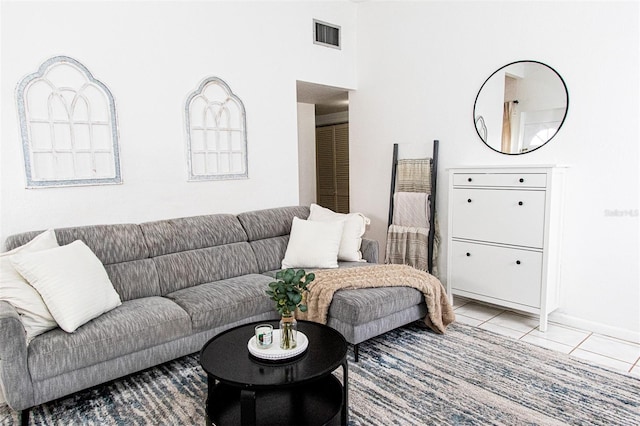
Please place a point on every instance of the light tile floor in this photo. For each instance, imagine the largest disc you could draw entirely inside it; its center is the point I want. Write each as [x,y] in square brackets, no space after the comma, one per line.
[613,353]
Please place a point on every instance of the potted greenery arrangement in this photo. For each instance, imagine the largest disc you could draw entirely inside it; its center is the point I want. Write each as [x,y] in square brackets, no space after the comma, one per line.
[287,292]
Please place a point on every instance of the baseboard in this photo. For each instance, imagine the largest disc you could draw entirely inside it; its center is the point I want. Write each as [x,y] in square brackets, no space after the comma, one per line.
[595,327]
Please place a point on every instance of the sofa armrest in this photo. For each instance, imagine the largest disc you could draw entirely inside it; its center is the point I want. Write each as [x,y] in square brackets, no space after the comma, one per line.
[369,249]
[15,379]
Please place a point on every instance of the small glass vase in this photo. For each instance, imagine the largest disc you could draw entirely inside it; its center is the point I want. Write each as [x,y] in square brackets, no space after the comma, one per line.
[288,331]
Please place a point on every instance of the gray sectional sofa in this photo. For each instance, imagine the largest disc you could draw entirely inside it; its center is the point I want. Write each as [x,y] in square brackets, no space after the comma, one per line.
[181,281]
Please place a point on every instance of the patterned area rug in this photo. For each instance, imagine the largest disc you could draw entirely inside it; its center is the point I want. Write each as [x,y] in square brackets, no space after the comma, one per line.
[409,376]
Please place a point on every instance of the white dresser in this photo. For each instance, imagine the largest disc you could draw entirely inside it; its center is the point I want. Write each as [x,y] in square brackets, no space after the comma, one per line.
[504,236]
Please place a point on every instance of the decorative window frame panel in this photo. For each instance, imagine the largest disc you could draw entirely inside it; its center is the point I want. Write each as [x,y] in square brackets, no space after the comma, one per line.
[216,137]
[100,135]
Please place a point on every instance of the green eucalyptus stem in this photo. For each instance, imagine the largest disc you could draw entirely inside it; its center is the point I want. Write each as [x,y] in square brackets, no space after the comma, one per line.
[288,290]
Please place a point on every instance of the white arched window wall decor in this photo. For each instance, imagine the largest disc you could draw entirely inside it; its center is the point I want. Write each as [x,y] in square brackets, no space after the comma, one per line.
[68,125]
[216,133]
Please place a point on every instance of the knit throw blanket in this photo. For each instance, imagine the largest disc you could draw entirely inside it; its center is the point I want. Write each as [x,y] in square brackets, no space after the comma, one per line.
[408,246]
[327,282]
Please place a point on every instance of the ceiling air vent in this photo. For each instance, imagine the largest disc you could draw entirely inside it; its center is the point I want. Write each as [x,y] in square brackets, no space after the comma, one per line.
[326,34]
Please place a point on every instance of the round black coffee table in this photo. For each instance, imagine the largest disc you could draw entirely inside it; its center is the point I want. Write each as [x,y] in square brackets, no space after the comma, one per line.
[243,389]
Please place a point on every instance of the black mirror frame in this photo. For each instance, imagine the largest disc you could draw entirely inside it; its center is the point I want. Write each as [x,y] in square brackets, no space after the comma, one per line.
[564,118]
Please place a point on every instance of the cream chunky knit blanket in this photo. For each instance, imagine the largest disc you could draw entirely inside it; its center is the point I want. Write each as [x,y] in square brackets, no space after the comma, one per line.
[328,281]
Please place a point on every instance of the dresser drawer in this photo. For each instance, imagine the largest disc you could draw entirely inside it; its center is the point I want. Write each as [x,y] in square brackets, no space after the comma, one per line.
[516,180]
[505,274]
[514,217]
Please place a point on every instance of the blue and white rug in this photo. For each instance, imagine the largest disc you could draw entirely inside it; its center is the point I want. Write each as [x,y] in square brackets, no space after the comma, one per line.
[409,376]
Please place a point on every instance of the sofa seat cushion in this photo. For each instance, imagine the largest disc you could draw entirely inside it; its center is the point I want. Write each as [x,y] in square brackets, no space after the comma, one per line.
[222,302]
[135,325]
[359,306]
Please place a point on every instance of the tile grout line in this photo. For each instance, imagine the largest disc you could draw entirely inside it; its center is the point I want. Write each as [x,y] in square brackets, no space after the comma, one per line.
[528,332]
[487,320]
[583,340]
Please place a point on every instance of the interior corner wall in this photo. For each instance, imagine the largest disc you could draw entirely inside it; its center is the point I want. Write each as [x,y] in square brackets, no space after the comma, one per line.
[419,83]
[307,153]
[151,55]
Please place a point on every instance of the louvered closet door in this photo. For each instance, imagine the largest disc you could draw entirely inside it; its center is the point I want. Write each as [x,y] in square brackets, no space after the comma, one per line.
[341,138]
[332,163]
[325,167]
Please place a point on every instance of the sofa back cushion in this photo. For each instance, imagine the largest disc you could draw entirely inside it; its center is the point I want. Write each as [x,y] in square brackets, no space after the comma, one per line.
[268,232]
[194,267]
[191,233]
[195,250]
[122,250]
[134,279]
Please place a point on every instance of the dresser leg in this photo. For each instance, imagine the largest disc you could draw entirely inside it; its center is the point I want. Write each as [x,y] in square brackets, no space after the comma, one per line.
[356,351]
[544,320]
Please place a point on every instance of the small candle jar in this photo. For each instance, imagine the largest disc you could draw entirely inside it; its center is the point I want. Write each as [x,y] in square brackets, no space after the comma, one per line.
[264,336]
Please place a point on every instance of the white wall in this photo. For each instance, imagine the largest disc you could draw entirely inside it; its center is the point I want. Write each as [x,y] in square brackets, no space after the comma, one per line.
[418,68]
[307,153]
[419,83]
[151,55]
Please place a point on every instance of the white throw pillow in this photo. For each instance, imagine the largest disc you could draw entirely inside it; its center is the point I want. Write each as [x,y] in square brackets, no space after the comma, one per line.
[72,282]
[313,244]
[354,226]
[14,289]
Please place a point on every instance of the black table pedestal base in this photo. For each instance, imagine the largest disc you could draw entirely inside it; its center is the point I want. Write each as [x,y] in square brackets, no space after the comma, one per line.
[315,403]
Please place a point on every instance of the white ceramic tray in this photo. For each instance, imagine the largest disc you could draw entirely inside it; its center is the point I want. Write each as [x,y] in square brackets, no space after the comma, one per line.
[274,352]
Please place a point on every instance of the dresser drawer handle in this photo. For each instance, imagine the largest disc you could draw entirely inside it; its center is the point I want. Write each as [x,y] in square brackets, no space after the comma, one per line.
[468,254]
[469,200]
[517,262]
[469,179]
[521,180]
[520,203]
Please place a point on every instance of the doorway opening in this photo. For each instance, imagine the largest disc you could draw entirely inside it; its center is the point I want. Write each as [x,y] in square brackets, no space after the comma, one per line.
[323,146]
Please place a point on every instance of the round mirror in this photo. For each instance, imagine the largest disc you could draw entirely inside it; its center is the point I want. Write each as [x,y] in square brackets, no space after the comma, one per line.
[520,107]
